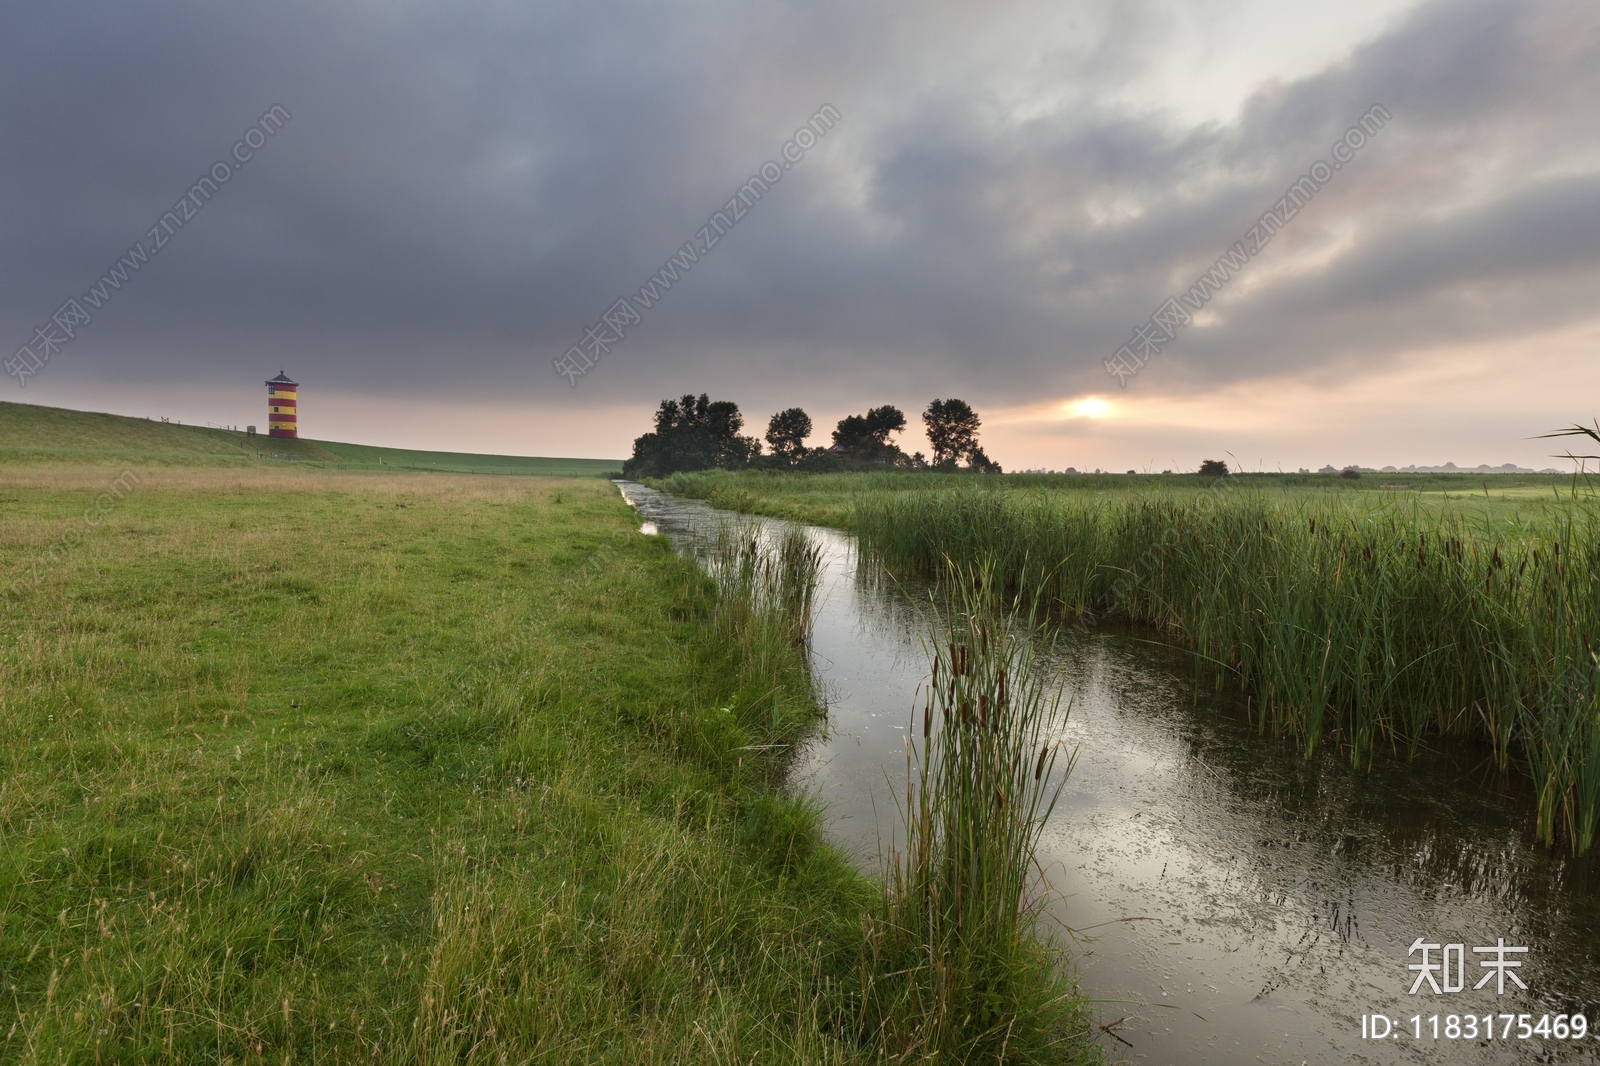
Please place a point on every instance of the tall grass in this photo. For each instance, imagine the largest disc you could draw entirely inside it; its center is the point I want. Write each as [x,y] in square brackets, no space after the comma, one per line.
[950,967]
[766,588]
[958,973]
[1370,627]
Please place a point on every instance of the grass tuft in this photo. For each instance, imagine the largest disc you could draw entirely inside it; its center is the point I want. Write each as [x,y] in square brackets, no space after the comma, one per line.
[958,973]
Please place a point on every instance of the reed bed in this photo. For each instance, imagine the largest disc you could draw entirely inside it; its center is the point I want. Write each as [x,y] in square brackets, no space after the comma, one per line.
[767,586]
[957,972]
[1369,627]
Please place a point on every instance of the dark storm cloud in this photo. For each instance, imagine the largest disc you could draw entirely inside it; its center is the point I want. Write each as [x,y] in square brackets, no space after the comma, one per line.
[462,190]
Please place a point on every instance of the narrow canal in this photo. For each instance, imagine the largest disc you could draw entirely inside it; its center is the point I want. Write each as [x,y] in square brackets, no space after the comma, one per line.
[1227,899]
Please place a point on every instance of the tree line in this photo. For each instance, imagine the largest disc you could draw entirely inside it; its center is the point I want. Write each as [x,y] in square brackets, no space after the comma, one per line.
[697,433]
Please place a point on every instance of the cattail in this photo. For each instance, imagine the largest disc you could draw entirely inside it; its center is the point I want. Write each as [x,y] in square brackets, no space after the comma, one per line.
[983,712]
[966,711]
[1038,767]
[1002,688]
[927,717]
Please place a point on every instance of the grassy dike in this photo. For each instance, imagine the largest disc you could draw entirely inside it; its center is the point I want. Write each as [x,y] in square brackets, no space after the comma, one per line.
[318,767]
[32,433]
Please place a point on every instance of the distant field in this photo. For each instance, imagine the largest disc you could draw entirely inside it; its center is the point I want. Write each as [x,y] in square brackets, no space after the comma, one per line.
[30,433]
[353,456]
[1506,500]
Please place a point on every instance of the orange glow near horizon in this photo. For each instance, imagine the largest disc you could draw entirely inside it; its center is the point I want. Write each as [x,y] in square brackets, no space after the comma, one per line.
[1467,403]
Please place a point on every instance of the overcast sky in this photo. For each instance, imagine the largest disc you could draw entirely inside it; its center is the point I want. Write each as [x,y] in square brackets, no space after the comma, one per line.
[1010,190]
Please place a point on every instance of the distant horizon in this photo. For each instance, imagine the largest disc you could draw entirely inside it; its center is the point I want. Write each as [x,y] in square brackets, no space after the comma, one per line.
[820,440]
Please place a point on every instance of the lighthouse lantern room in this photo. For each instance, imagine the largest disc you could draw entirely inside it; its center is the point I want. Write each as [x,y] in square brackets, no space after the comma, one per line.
[281,401]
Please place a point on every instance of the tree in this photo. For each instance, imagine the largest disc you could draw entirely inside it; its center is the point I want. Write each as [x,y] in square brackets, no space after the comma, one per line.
[787,433]
[1213,468]
[867,436]
[692,433]
[981,462]
[882,421]
[952,428]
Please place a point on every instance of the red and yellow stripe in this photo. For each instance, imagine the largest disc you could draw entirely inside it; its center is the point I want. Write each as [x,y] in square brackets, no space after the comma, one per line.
[282,411]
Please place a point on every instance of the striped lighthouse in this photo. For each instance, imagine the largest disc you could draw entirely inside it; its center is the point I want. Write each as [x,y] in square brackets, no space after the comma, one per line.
[281,406]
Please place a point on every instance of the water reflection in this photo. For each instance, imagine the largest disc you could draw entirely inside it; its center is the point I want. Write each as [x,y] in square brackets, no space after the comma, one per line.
[1231,900]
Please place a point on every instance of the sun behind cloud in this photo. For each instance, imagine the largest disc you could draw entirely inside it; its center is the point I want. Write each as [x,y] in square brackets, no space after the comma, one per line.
[1088,407]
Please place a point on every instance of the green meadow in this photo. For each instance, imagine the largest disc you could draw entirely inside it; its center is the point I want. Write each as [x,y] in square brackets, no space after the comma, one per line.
[306,764]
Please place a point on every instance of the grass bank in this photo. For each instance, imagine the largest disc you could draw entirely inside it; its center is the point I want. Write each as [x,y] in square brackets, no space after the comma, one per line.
[303,764]
[30,433]
[1366,619]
